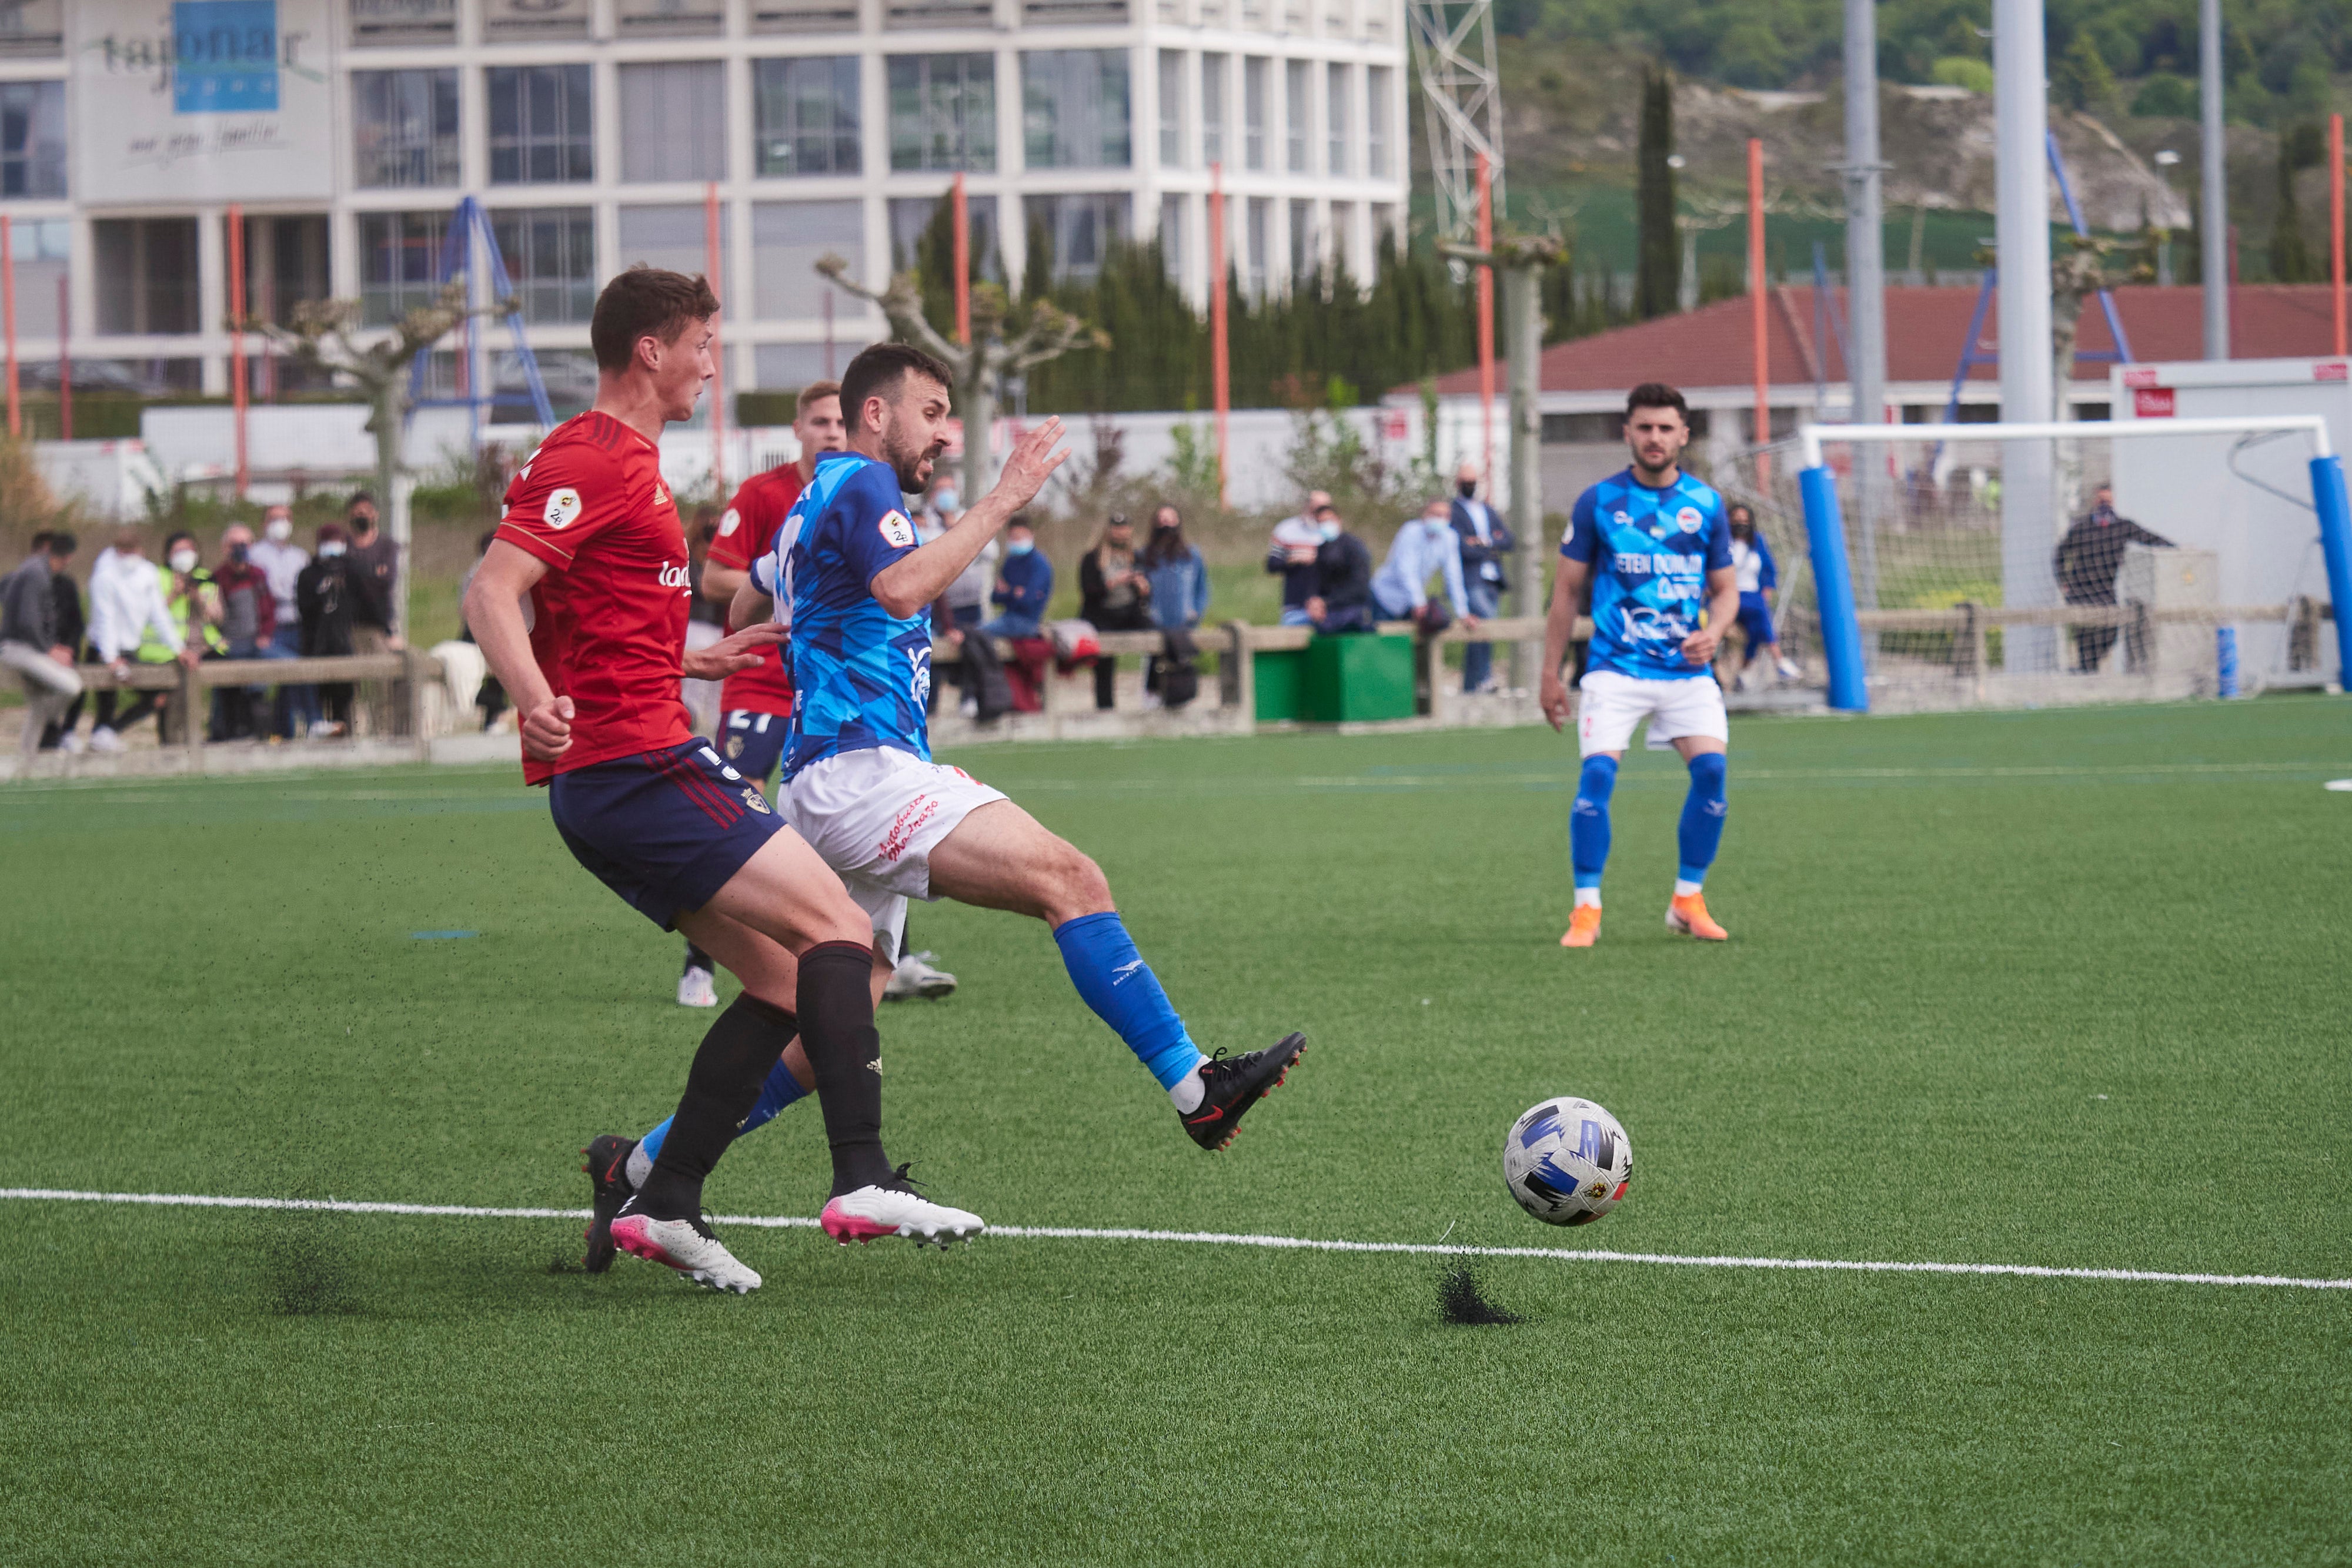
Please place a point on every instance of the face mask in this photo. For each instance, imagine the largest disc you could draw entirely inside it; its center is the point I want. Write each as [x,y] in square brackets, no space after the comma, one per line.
[331,549]
[236,554]
[1328,530]
[280,530]
[1468,487]
[183,560]
[1018,546]
[947,501]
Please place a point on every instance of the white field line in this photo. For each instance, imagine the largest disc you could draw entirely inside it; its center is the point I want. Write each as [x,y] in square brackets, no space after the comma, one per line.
[1211,1238]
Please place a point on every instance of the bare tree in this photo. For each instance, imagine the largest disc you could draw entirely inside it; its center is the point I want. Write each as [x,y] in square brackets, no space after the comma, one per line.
[324,336]
[1048,333]
[2083,268]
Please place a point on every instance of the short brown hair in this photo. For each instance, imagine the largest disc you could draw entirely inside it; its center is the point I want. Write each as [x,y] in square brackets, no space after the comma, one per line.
[815,392]
[878,370]
[1656,395]
[645,302]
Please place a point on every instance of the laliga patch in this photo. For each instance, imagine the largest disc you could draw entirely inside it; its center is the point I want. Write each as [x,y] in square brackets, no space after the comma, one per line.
[896,532]
[1689,519]
[728,524]
[563,508]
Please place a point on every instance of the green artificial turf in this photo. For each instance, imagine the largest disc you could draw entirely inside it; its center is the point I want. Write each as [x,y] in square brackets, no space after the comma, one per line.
[2062,989]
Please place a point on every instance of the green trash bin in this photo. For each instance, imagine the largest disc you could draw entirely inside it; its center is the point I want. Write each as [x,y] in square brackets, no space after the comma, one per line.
[1279,676]
[1351,679]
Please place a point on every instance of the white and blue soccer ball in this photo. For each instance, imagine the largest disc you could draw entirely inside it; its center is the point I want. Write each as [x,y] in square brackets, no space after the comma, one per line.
[1567,1161]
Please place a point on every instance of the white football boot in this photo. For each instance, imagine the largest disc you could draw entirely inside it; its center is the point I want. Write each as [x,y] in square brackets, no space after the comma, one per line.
[686,1246]
[896,1209]
[914,976]
[698,989]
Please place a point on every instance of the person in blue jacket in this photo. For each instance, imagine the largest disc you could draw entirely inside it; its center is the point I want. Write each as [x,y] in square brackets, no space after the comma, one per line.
[1024,583]
[1179,582]
[1758,578]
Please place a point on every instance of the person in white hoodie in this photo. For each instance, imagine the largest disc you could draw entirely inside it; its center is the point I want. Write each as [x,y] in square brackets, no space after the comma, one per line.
[128,613]
[282,560]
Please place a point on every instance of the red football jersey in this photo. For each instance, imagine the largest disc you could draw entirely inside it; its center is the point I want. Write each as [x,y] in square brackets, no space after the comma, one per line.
[609,618]
[746,533]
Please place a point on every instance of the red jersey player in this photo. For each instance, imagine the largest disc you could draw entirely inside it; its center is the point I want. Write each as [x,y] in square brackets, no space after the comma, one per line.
[590,533]
[756,704]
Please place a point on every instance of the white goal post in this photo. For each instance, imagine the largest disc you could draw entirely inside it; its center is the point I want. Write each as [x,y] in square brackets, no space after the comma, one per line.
[1840,632]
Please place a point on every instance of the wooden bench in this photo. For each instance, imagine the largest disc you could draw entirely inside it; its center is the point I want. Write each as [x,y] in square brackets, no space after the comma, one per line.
[407,671]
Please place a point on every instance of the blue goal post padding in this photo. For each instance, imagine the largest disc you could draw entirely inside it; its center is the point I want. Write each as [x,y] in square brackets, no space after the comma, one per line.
[2336,550]
[1834,590]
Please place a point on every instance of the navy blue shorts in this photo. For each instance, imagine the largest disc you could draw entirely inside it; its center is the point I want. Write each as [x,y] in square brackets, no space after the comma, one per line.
[1756,625]
[751,742]
[665,829]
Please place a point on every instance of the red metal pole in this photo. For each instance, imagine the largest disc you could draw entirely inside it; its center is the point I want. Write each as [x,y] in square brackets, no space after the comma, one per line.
[9,309]
[236,336]
[1219,368]
[65,357]
[1758,314]
[2336,221]
[963,264]
[1487,317]
[718,364]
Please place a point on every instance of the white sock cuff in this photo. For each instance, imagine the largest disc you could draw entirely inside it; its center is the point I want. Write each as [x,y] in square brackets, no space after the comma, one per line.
[1685,889]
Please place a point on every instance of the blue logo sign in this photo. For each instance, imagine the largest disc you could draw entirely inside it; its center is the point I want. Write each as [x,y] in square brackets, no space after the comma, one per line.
[226,56]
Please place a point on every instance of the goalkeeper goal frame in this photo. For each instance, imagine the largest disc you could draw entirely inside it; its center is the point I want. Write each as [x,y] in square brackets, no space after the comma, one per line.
[1840,630]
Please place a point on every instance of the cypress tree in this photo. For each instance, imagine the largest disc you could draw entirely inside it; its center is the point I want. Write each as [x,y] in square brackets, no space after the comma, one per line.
[1658,273]
[2290,256]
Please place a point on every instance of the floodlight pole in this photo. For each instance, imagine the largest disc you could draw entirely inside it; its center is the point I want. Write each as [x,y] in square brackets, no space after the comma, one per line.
[1866,277]
[2335,226]
[1759,312]
[2021,210]
[2215,213]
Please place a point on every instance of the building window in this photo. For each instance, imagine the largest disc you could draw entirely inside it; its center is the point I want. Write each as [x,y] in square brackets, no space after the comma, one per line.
[942,112]
[404,127]
[669,18]
[146,275]
[1079,230]
[1303,258]
[551,255]
[788,367]
[1172,110]
[1335,114]
[1257,245]
[32,29]
[1172,236]
[541,133]
[1213,106]
[398,254]
[1293,115]
[673,122]
[285,263]
[800,17]
[1073,108]
[1376,122]
[404,22]
[807,111]
[675,237]
[1385,236]
[1254,74]
[43,250]
[32,138]
[912,218]
[517,21]
[788,239]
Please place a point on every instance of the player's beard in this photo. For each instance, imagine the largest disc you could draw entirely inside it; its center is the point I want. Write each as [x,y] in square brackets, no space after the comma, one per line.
[912,464]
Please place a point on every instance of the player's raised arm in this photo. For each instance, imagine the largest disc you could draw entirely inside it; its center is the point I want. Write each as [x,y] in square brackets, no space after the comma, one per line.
[915,580]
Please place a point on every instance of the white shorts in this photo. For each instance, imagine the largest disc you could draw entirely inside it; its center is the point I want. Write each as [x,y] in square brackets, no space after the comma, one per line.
[874,815]
[1614,704]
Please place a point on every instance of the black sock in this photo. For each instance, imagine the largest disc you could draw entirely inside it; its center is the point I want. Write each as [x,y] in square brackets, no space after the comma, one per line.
[837,1008]
[721,1087]
[695,959]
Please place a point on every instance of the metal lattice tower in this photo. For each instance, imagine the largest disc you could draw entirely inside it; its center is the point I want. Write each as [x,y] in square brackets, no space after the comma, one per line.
[1461,91]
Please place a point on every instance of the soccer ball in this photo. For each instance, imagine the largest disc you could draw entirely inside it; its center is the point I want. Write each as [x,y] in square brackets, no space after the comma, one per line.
[1568,1162]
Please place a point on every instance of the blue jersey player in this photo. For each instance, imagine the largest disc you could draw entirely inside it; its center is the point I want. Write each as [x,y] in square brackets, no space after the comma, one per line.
[1649,551]
[859,782]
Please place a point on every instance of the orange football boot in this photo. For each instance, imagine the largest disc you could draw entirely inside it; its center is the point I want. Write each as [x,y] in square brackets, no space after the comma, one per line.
[1687,913]
[1583,927]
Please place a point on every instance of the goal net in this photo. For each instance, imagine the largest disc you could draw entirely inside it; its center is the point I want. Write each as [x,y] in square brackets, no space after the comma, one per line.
[2025,565]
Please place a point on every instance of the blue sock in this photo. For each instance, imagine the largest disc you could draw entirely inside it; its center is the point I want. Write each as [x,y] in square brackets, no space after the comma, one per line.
[1702,812]
[1588,824]
[1119,986]
[781,1090]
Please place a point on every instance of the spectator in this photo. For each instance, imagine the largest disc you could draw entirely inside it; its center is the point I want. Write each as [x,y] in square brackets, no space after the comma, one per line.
[1292,557]
[967,597]
[1486,543]
[128,614]
[1759,578]
[2088,559]
[372,576]
[323,597]
[1113,595]
[59,732]
[1178,579]
[193,596]
[1429,545]
[281,560]
[706,619]
[1024,584]
[249,624]
[1342,599]
[490,697]
[29,643]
